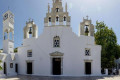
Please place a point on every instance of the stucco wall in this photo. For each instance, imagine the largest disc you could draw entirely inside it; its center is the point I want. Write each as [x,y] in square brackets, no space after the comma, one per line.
[71,45]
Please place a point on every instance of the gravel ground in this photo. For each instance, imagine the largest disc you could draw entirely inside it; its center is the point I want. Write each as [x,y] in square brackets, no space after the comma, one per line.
[20,77]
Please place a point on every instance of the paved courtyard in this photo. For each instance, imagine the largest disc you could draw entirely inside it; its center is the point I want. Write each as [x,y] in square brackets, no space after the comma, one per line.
[60,78]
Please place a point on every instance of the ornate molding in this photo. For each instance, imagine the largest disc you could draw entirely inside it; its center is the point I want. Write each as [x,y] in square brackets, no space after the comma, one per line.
[88,60]
[56,54]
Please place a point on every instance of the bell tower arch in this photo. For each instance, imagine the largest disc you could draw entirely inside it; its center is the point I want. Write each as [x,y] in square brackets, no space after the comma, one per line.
[30,30]
[8,32]
[86,28]
[57,16]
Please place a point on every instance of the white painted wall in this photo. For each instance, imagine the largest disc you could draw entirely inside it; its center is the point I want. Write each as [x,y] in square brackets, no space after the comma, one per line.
[10,71]
[71,45]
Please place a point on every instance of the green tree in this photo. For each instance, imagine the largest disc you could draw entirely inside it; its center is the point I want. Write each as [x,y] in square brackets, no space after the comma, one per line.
[0,66]
[108,40]
[15,50]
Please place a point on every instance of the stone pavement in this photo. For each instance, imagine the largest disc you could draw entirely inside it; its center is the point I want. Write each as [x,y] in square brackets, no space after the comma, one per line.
[21,77]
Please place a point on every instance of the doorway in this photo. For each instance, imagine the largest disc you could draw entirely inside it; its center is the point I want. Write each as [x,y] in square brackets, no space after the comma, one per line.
[16,68]
[88,68]
[56,66]
[5,71]
[29,67]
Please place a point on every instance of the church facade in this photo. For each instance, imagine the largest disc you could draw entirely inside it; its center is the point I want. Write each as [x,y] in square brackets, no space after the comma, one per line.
[57,51]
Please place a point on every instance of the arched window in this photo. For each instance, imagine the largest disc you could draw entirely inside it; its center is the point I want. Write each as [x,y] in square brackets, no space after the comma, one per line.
[30,32]
[5,35]
[57,9]
[49,19]
[10,36]
[86,30]
[57,18]
[56,41]
[64,18]
[49,22]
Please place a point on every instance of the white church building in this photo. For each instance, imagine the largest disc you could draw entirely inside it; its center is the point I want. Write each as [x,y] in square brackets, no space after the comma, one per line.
[57,51]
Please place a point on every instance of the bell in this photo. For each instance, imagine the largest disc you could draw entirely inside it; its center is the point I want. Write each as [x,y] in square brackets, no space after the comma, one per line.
[86,31]
[30,31]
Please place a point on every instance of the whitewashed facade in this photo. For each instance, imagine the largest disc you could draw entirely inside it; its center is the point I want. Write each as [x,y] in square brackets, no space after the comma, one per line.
[57,51]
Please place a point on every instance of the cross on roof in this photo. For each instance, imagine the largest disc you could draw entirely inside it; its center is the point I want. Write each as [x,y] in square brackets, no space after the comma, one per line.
[87,16]
[29,19]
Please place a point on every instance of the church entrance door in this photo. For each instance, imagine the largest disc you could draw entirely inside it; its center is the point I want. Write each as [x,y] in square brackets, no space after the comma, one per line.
[29,67]
[5,71]
[16,68]
[56,63]
[88,68]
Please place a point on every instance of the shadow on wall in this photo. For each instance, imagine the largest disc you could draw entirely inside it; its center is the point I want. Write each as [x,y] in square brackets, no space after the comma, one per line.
[29,77]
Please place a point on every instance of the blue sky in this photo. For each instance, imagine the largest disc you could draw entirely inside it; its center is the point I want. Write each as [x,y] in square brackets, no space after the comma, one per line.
[101,10]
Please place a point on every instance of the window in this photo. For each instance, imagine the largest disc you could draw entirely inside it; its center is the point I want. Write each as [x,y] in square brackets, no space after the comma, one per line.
[10,36]
[5,16]
[56,41]
[57,9]
[29,53]
[86,29]
[64,18]
[11,65]
[49,22]
[87,52]
[5,35]
[49,19]
[30,32]
[57,18]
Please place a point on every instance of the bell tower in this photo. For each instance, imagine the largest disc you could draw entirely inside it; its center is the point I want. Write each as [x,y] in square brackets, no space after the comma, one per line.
[8,32]
[30,30]
[86,27]
[56,16]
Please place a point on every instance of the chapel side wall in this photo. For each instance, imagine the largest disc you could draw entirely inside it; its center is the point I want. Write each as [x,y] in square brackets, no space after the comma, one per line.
[97,60]
[74,58]
[39,58]
[10,71]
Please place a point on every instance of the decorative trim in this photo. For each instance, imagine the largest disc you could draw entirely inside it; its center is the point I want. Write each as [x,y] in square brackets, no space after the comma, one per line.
[56,54]
[88,60]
